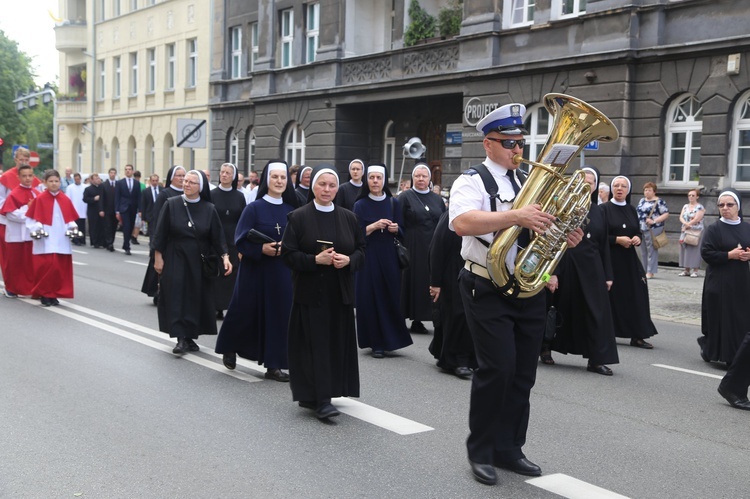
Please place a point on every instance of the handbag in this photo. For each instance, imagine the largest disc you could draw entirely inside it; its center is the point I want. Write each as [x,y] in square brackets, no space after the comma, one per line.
[692,237]
[552,324]
[211,264]
[661,240]
[402,253]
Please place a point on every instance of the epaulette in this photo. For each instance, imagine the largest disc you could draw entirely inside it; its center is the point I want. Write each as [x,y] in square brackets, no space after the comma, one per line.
[470,171]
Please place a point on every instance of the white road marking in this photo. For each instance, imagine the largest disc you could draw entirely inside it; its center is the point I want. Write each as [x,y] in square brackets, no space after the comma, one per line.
[79,263]
[356,409]
[80,252]
[136,263]
[689,371]
[572,488]
[149,343]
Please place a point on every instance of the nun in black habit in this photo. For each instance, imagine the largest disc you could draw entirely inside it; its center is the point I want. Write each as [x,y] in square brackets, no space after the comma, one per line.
[188,228]
[584,277]
[451,344]
[303,185]
[256,323]
[229,203]
[380,323]
[172,187]
[726,249]
[628,296]
[349,191]
[421,209]
[324,246]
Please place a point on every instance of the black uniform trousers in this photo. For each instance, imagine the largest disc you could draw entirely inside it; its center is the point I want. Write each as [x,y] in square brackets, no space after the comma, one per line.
[507,334]
[737,378]
[128,224]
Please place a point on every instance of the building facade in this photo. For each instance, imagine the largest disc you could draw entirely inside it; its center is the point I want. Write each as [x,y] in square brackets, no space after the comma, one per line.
[130,72]
[333,80]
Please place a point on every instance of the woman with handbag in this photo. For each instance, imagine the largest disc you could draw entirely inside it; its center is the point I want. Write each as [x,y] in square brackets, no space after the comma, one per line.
[256,323]
[187,242]
[652,212]
[380,323]
[691,218]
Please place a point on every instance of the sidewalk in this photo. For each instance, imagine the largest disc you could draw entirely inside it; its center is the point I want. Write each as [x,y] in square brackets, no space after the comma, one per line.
[674,298]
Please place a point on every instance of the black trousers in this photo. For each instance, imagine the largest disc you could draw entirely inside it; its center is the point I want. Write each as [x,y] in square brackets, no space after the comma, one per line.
[110,228]
[96,229]
[128,222]
[81,223]
[737,378]
[507,335]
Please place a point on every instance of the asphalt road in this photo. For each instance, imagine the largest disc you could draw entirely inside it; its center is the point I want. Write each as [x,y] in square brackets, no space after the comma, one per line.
[93,404]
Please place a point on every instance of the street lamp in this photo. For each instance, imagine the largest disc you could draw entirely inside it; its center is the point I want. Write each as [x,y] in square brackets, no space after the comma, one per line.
[47,94]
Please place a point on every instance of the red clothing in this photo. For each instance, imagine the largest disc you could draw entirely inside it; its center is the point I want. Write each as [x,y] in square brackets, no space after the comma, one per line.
[20,276]
[53,276]
[10,179]
[18,197]
[42,207]
[2,249]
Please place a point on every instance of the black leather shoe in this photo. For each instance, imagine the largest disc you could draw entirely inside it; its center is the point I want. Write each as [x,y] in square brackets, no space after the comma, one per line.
[230,360]
[219,315]
[483,473]
[377,354]
[110,248]
[192,345]
[606,371]
[307,405]
[637,342]
[127,252]
[181,348]
[277,374]
[46,302]
[734,400]
[521,466]
[702,343]
[326,410]
[55,301]
[463,372]
[418,327]
[134,241]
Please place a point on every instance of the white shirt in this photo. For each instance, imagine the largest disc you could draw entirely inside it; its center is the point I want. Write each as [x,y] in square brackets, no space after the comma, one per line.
[57,242]
[250,195]
[467,194]
[75,193]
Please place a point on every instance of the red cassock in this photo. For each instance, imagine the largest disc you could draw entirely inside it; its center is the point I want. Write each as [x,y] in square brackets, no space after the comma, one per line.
[53,272]
[19,261]
[9,180]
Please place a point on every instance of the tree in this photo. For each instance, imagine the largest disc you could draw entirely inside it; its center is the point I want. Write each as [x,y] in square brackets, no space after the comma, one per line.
[15,75]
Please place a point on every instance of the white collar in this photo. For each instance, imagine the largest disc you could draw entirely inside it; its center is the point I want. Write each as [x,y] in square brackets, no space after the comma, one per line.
[731,222]
[184,198]
[426,191]
[618,203]
[325,209]
[178,189]
[377,198]
[272,200]
[225,189]
[303,187]
[496,166]
[355,184]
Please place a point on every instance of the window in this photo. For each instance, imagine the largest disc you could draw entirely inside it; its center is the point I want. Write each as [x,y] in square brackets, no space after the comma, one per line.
[118,78]
[102,79]
[521,12]
[234,147]
[170,66]
[295,145]
[572,8]
[115,8]
[741,143]
[100,10]
[312,27]
[287,37]
[150,2]
[192,62]
[151,71]
[683,147]
[133,73]
[389,148]
[150,156]
[538,124]
[236,63]
[133,5]
[250,152]
[253,45]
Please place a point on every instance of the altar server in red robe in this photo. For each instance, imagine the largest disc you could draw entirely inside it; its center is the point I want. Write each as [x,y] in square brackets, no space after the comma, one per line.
[19,276]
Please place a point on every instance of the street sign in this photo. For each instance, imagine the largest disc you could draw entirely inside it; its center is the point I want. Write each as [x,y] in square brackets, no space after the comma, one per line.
[33,159]
[45,145]
[592,146]
[191,133]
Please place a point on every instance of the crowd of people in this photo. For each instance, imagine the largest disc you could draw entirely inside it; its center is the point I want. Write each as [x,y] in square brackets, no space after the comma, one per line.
[303,269]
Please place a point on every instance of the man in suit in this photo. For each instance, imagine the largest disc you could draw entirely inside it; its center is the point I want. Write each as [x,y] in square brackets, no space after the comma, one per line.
[127,198]
[109,218]
[148,199]
[93,196]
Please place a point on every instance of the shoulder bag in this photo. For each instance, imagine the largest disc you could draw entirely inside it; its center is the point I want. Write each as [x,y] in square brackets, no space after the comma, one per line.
[401,251]
[692,237]
[661,240]
[211,265]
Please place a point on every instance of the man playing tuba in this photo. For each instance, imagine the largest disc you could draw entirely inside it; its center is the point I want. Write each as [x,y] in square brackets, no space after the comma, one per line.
[507,330]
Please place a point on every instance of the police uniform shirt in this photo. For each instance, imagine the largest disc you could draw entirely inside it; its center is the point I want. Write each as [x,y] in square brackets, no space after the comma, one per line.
[467,194]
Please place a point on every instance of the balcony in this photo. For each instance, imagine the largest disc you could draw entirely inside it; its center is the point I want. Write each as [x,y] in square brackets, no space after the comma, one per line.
[70,36]
[72,110]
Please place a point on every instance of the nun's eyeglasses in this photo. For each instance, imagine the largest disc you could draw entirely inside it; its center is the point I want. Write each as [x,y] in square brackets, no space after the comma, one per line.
[190,182]
[508,143]
[728,205]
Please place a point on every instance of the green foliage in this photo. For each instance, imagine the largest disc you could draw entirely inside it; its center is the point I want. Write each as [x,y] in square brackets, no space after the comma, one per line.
[450,17]
[422,25]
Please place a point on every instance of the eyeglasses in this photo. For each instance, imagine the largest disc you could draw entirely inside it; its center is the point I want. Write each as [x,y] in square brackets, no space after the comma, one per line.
[728,205]
[508,143]
[190,182]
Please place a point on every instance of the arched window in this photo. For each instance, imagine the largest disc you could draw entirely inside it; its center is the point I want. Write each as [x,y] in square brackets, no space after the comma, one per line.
[538,123]
[167,153]
[740,154]
[294,145]
[683,145]
[233,152]
[389,148]
[100,155]
[150,157]
[132,154]
[77,155]
[250,151]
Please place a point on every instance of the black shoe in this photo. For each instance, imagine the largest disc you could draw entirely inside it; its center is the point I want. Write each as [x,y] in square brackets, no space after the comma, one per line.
[134,241]
[156,299]
[127,252]
[483,473]
[230,360]
[378,354]
[606,371]
[326,410]
[182,347]
[110,248]
[418,327]
[9,294]
[307,405]
[55,301]
[735,401]
[463,372]
[277,374]
[637,342]
[46,302]
[219,315]
[192,345]
[702,344]
[521,466]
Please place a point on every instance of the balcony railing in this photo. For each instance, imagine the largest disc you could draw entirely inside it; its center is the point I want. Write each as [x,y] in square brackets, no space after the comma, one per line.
[72,111]
[70,36]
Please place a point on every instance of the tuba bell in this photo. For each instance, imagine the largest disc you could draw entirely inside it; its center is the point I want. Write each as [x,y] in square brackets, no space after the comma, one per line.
[567,198]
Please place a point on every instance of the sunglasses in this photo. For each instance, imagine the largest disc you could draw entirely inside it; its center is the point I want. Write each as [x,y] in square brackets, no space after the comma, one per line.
[508,143]
[728,205]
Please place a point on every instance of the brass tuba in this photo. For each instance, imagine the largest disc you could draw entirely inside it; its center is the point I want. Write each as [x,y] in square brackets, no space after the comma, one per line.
[576,123]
